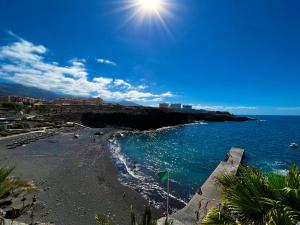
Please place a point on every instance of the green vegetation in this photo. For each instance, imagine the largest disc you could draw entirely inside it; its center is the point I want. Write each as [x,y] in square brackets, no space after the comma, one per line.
[145,220]
[17,125]
[13,106]
[249,198]
[255,198]
[11,186]
[18,107]
[103,220]
[2,128]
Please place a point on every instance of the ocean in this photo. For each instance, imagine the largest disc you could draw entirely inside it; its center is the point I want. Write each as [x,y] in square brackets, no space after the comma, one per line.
[191,152]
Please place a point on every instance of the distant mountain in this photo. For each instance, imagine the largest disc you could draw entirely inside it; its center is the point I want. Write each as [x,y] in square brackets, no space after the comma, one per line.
[21,90]
[127,103]
[33,92]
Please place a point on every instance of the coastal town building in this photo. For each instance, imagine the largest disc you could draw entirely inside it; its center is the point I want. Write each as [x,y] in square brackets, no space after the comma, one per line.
[4,99]
[16,99]
[187,107]
[163,105]
[77,101]
[40,103]
[175,106]
[21,99]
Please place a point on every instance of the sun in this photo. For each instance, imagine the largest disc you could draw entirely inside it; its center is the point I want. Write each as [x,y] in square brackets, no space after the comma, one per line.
[148,13]
[150,6]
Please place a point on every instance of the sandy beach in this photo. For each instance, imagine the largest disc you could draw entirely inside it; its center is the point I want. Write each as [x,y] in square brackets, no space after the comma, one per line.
[75,178]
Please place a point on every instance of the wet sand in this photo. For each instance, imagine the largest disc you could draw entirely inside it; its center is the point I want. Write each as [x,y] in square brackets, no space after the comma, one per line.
[75,177]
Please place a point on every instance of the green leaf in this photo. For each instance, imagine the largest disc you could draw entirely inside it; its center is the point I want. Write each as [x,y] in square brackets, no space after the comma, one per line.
[103,220]
[215,216]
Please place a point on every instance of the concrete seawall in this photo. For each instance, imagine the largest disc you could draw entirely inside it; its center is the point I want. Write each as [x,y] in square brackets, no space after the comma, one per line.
[210,193]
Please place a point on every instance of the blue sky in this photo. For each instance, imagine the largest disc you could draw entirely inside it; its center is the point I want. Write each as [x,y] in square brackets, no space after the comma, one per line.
[240,56]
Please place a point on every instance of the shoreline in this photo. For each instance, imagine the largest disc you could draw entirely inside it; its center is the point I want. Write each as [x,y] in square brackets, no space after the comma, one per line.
[75,177]
[137,180]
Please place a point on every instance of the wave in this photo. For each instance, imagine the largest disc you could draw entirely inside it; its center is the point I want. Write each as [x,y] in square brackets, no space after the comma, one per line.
[196,123]
[131,175]
[173,127]
[282,172]
[125,132]
[121,159]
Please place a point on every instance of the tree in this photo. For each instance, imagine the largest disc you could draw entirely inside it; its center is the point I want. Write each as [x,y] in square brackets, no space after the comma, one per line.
[11,186]
[256,198]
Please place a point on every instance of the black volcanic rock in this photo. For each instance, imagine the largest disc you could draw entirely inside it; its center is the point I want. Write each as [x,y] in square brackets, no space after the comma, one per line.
[143,118]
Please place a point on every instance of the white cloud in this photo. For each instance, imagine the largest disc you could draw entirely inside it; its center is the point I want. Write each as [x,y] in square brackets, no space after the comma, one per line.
[296,108]
[222,107]
[25,63]
[122,83]
[142,87]
[167,94]
[23,50]
[106,61]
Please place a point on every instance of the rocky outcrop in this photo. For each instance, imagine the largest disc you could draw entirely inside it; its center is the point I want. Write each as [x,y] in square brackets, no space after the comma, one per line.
[145,118]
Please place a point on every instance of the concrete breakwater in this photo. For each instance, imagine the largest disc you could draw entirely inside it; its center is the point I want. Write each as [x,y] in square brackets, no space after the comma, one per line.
[209,194]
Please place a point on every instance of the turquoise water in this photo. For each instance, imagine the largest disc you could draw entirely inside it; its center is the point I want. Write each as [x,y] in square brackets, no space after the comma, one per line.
[191,152]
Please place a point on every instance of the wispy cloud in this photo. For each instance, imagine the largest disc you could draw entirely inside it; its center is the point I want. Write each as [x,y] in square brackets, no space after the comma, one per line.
[26,63]
[223,107]
[122,83]
[296,108]
[167,94]
[142,87]
[106,61]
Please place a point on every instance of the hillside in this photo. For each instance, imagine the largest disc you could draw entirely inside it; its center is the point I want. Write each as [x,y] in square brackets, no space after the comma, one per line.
[21,90]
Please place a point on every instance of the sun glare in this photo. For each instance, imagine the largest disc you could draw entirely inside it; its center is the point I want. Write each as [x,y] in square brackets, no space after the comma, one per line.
[148,12]
[150,6]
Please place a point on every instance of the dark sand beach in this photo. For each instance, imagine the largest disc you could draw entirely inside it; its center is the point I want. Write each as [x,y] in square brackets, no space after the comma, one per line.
[75,178]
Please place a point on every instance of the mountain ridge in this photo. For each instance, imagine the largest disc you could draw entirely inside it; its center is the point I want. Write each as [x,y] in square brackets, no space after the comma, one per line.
[28,91]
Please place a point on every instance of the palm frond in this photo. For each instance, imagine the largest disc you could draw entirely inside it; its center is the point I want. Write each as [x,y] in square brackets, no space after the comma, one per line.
[276,181]
[293,178]
[215,216]
[291,197]
[280,214]
[147,217]
[245,196]
[242,196]
[228,180]
[132,217]
[12,186]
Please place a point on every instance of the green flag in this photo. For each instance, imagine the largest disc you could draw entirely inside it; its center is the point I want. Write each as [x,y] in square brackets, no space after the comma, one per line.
[163,176]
